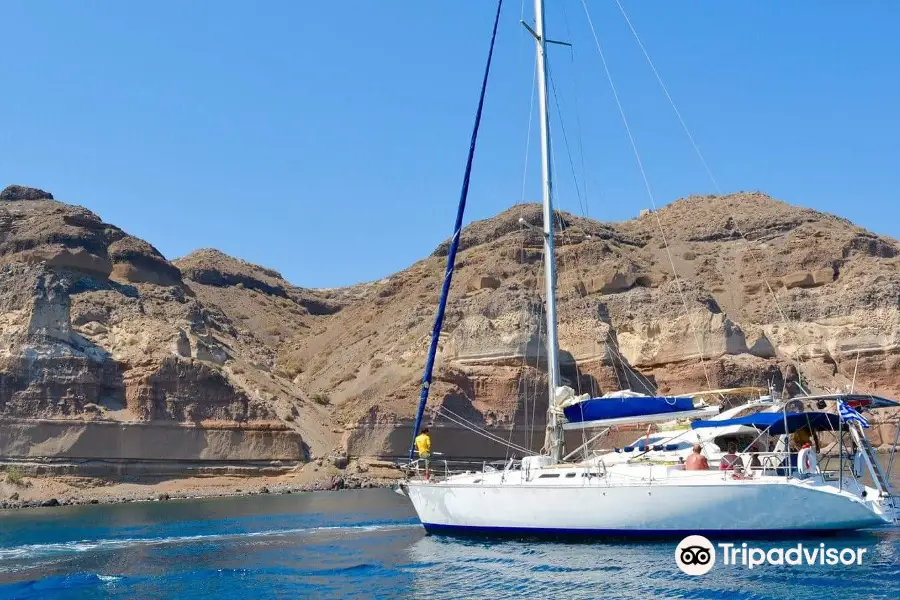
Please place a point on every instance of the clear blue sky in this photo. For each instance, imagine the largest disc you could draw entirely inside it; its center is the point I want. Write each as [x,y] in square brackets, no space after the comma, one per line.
[327,139]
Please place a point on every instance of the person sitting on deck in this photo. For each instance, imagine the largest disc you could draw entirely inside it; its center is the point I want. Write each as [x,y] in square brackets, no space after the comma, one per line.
[423,446]
[754,457]
[731,461]
[696,461]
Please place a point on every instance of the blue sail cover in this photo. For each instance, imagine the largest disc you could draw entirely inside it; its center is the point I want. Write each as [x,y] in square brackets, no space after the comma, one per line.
[598,409]
[454,246]
[778,423]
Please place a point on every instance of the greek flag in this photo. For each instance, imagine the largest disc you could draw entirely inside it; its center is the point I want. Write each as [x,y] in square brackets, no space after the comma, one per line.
[848,415]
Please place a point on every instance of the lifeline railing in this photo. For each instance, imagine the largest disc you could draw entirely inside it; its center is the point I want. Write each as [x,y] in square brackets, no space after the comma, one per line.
[447,467]
[769,463]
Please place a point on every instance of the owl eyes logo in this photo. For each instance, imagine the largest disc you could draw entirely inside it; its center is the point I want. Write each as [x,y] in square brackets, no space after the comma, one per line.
[695,555]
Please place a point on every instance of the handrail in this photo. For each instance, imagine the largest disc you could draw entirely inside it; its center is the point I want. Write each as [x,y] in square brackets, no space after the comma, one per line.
[770,464]
[455,467]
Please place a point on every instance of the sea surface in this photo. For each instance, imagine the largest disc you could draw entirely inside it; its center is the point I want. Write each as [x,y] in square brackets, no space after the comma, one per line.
[367,544]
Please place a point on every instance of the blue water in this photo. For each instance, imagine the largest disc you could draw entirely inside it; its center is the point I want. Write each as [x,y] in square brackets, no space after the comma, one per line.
[367,544]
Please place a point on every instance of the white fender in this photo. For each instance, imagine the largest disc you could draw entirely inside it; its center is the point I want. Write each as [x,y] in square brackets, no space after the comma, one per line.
[806,461]
[858,464]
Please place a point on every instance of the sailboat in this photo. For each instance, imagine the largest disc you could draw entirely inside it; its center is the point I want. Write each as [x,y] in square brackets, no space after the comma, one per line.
[778,492]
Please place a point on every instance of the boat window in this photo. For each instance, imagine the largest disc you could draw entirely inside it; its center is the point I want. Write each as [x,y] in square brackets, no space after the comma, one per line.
[741,440]
[547,475]
[572,474]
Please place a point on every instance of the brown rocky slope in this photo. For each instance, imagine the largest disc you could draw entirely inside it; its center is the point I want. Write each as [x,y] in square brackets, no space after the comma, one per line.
[762,286]
[107,349]
[107,354]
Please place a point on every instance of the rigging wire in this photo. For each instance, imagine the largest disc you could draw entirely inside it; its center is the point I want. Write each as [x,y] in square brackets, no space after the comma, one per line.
[563,232]
[615,370]
[521,203]
[665,90]
[521,384]
[583,203]
[649,192]
[579,128]
[703,160]
[537,359]
[475,428]
[582,197]
[562,128]
[642,379]
[534,309]
[528,140]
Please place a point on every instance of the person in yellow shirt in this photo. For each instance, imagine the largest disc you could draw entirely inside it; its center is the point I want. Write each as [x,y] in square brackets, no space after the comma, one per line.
[423,446]
[800,437]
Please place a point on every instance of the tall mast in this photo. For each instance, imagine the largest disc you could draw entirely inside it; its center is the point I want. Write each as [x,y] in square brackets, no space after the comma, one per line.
[555,440]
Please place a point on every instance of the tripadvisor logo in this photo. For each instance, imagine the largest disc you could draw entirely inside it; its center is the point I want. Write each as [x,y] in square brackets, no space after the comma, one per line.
[696,555]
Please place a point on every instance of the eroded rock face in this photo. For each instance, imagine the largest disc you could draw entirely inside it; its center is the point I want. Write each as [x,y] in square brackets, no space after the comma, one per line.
[136,261]
[96,325]
[45,369]
[71,238]
[187,390]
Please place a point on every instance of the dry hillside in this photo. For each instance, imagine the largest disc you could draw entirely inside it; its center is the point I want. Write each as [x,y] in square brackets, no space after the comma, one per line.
[762,285]
[105,344]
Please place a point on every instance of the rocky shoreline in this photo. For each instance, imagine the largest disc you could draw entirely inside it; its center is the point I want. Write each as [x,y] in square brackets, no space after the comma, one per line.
[54,491]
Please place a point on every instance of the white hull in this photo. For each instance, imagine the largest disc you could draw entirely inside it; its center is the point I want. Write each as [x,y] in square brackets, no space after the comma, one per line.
[699,502]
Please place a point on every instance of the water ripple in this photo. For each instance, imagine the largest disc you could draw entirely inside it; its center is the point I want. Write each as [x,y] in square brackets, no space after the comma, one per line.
[43,550]
[368,545]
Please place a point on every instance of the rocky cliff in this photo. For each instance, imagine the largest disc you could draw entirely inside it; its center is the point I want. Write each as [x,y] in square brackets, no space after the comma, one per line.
[101,337]
[762,288]
[99,333]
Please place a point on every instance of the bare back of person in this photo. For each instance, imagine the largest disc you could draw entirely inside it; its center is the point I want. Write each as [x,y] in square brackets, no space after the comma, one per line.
[696,462]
